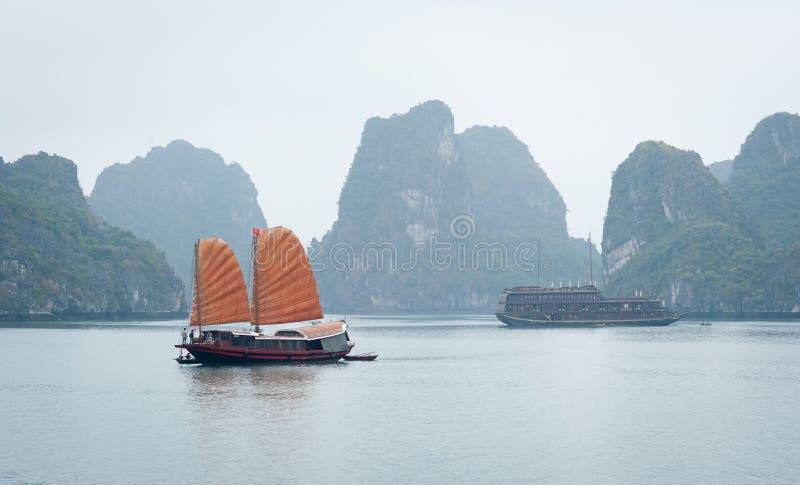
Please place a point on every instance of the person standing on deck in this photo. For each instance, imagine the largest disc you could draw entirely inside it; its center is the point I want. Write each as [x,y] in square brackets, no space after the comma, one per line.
[183,335]
[191,337]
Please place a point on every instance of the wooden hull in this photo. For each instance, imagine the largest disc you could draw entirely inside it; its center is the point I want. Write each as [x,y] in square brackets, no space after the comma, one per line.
[210,354]
[369,356]
[186,359]
[537,320]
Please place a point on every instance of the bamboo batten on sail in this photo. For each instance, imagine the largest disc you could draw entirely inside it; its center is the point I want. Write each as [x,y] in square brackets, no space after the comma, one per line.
[220,293]
[284,289]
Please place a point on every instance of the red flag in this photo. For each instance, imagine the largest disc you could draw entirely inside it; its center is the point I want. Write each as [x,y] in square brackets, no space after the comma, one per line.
[255,231]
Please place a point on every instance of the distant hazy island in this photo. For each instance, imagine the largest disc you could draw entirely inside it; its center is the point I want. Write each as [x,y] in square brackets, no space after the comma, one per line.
[414,187]
[429,220]
[177,194]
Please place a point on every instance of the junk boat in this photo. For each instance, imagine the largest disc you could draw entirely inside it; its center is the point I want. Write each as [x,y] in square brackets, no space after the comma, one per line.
[579,306]
[283,291]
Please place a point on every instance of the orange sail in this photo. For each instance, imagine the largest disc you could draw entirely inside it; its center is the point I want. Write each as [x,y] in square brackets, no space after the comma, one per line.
[220,294]
[284,288]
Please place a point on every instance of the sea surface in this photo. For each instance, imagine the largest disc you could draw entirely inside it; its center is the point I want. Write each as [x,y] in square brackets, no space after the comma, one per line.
[450,400]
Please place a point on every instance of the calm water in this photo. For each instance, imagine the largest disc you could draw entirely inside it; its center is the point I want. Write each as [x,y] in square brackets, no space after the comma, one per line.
[451,399]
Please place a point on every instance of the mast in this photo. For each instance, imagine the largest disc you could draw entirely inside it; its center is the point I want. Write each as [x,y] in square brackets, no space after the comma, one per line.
[538,261]
[197,286]
[590,258]
[253,288]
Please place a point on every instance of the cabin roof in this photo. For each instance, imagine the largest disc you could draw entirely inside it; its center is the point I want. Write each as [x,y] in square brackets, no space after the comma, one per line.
[559,289]
[320,330]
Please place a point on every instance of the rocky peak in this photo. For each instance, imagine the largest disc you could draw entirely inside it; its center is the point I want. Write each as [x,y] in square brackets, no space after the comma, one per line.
[402,162]
[765,177]
[53,178]
[659,186]
[434,115]
[775,140]
[494,157]
[180,154]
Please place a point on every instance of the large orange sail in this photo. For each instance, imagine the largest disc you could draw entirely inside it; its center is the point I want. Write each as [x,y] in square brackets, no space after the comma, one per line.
[284,288]
[220,294]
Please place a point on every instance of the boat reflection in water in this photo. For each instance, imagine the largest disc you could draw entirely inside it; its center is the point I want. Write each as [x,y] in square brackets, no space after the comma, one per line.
[283,291]
[211,384]
[278,392]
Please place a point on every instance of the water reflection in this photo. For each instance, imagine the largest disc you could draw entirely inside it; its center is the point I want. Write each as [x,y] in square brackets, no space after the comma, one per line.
[218,389]
[229,382]
[248,404]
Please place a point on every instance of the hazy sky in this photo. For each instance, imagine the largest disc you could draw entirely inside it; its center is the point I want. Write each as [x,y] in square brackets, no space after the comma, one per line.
[284,88]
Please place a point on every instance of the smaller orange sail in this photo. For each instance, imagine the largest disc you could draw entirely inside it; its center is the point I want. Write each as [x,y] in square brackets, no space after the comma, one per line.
[284,288]
[220,294]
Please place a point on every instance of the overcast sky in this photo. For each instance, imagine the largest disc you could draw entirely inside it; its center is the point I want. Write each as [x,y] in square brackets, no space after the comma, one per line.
[284,89]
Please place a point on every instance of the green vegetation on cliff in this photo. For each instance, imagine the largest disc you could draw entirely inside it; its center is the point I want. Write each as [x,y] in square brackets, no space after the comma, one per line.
[659,187]
[177,194]
[778,276]
[706,266]
[57,257]
[674,231]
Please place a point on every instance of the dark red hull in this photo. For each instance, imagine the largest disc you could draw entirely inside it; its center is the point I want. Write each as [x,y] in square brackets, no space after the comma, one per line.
[210,354]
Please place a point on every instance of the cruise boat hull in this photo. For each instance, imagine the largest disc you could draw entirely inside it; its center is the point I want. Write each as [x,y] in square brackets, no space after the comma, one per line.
[539,320]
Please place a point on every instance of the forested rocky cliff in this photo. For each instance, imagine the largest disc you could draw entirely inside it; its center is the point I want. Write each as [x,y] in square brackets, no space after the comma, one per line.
[56,257]
[673,230]
[765,179]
